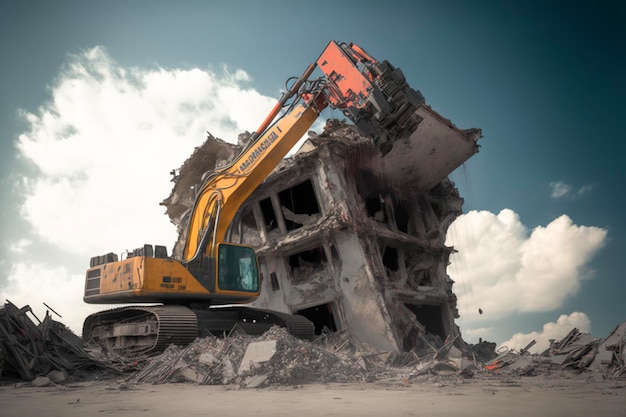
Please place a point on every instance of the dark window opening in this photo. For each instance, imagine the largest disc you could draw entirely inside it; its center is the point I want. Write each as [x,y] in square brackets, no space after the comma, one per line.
[247,218]
[373,205]
[309,257]
[322,317]
[274,281]
[390,259]
[298,203]
[423,206]
[268,214]
[430,317]
[423,277]
[244,228]
[304,265]
[367,182]
[376,208]
[402,217]
[437,210]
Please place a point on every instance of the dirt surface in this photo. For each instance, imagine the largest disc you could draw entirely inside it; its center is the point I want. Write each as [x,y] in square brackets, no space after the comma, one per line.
[525,396]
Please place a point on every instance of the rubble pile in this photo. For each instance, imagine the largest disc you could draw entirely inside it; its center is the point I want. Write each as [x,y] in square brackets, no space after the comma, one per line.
[206,361]
[577,351]
[50,353]
[275,358]
[611,353]
[297,362]
[447,358]
[38,350]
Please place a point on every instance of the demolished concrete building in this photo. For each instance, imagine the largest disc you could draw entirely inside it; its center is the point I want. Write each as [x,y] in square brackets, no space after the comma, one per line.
[352,240]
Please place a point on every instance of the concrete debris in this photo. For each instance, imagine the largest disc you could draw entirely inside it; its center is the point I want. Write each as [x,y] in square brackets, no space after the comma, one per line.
[50,354]
[256,354]
[572,350]
[482,352]
[275,358]
[576,351]
[44,353]
[611,353]
[41,381]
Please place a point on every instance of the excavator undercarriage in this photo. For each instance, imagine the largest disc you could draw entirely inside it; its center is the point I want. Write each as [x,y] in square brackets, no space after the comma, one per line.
[140,330]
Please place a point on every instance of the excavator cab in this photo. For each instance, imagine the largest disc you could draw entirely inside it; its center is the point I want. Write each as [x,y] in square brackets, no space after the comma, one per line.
[237,268]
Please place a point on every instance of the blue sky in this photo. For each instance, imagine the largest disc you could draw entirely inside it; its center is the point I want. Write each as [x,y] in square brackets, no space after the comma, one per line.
[84,82]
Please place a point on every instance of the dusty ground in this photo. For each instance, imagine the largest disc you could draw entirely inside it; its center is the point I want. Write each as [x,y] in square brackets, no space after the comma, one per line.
[526,396]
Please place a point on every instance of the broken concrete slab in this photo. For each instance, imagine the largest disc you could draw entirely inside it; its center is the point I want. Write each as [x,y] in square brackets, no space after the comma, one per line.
[615,343]
[575,349]
[58,376]
[257,353]
[432,152]
[605,357]
[41,381]
[193,375]
[256,381]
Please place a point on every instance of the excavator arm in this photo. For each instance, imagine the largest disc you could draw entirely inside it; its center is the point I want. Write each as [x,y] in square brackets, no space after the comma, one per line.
[373,95]
[223,192]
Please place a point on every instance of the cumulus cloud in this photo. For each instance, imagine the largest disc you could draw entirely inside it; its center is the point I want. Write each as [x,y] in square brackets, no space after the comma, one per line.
[553,330]
[106,142]
[102,148]
[584,189]
[559,189]
[512,270]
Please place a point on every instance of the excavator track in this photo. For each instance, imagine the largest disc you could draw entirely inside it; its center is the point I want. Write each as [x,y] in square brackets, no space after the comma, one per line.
[257,321]
[139,330]
[142,330]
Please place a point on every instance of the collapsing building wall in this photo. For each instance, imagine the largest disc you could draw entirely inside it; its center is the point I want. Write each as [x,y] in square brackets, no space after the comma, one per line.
[352,240]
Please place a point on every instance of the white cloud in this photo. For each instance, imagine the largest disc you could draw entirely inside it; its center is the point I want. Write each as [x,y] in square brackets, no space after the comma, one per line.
[584,189]
[552,330]
[106,142]
[510,270]
[560,189]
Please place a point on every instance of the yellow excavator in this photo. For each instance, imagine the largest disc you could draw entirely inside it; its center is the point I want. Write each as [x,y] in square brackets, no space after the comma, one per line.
[193,292]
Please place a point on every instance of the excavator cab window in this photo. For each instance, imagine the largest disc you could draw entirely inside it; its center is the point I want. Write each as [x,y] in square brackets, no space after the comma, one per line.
[237,268]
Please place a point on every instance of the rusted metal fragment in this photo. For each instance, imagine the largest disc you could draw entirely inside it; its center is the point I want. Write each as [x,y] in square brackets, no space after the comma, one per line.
[38,350]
